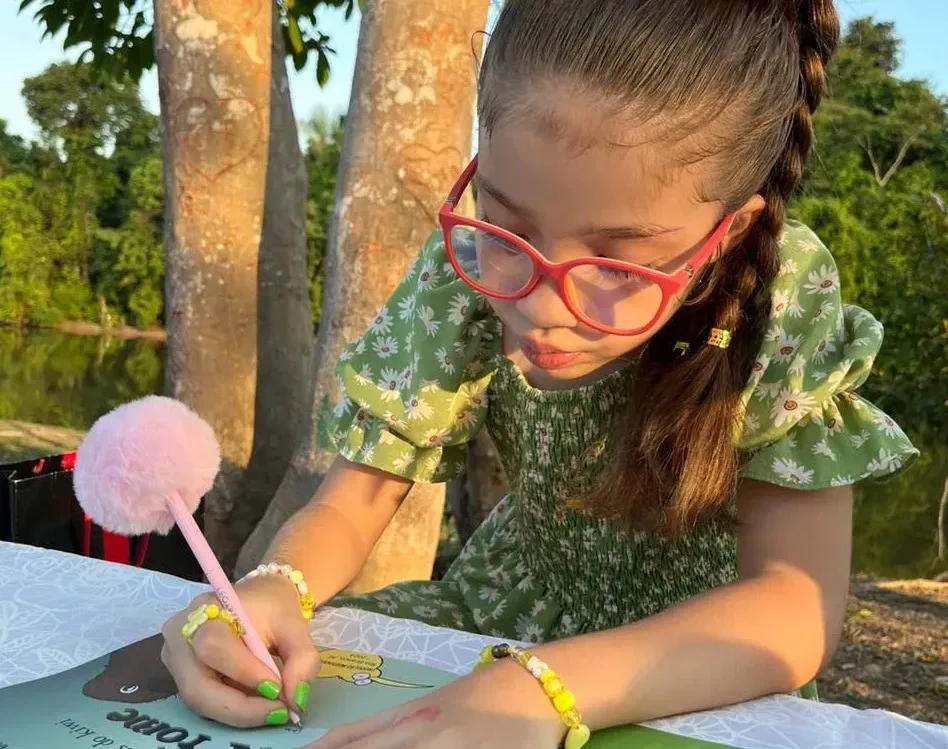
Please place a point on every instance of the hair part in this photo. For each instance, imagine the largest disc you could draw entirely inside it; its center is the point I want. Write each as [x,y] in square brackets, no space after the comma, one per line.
[735,82]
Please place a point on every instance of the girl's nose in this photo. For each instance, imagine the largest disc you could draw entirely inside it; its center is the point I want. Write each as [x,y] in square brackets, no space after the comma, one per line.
[544,308]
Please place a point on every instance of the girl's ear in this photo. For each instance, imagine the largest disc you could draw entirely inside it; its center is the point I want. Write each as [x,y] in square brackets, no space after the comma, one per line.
[745,217]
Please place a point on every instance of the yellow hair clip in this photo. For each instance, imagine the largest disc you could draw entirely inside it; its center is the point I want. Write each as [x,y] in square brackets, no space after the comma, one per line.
[719,338]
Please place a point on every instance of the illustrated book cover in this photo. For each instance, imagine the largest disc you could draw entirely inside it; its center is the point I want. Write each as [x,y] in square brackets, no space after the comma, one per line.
[128,700]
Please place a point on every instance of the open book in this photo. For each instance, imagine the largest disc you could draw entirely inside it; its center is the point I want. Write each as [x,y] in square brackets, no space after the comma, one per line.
[128,700]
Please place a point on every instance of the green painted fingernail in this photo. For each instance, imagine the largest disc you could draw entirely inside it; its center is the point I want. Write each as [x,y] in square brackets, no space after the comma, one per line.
[278,717]
[301,695]
[268,689]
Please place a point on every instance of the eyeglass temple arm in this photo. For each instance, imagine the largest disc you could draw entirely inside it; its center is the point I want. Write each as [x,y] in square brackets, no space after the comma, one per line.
[454,197]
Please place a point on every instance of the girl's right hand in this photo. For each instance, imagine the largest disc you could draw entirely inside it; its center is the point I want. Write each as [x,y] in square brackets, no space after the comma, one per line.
[217,675]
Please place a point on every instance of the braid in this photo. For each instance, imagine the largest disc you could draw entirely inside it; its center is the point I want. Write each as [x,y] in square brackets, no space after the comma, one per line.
[706,386]
[818,32]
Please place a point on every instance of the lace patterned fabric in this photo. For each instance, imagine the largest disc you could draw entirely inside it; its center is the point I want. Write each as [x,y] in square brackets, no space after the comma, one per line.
[60,610]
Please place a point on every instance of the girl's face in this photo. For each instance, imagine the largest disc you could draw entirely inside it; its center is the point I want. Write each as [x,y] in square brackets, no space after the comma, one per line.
[606,201]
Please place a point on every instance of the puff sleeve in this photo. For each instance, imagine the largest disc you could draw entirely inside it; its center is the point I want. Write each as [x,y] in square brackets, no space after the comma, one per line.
[803,425]
[414,385]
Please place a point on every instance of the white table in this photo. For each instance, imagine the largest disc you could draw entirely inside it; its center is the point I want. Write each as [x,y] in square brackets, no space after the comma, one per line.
[59,610]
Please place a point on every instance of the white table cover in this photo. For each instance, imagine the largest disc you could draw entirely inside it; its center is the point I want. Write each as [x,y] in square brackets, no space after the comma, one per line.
[60,610]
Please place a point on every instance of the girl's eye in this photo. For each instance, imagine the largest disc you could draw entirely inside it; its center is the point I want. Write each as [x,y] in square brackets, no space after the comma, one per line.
[499,244]
[486,218]
[623,275]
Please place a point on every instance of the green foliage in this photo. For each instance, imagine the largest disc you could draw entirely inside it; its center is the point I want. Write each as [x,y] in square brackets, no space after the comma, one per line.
[118,35]
[97,140]
[322,164]
[80,225]
[14,152]
[81,212]
[876,193]
[129,269]
[25,268]
[894,520]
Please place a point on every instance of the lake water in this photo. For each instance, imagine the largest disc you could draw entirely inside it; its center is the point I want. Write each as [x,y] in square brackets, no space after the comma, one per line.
[64,380]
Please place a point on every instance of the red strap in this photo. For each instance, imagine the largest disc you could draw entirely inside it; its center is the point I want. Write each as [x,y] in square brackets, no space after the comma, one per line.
[141,551]
[115,548]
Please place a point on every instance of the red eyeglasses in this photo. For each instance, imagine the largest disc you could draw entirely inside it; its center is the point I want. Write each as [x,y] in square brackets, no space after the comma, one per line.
[610,296]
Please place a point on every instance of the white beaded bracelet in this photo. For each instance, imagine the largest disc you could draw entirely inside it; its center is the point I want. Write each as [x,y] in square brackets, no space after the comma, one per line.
[307,602]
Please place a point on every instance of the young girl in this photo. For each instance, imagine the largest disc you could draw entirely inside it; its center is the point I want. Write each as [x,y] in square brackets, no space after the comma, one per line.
[664,362]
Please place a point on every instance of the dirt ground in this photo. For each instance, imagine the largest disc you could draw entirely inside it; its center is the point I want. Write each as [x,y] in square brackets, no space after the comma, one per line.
[894,652]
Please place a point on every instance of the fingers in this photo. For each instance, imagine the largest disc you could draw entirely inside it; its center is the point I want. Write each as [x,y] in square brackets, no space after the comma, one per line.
[217,647]
[216,655]
[204,693]
[300,658]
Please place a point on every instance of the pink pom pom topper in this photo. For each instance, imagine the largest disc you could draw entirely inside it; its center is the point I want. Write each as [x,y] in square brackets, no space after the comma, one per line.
[136,457]
[143,468]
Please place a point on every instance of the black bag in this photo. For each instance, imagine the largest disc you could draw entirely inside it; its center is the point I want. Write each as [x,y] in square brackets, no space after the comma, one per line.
[38,507]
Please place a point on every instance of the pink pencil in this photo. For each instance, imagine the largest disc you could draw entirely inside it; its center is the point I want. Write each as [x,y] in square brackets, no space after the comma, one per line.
[143,468]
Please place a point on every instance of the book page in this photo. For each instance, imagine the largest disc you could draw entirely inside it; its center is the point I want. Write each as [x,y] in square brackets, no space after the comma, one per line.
[128,700]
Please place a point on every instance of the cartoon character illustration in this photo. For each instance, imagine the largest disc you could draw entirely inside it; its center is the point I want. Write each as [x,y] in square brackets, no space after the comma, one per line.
[360,669]
[133,674]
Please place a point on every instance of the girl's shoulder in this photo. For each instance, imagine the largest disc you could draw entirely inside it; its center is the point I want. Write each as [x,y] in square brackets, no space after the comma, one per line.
[798,237]
[810,335]
[802,418]
[412,388]
[804,261]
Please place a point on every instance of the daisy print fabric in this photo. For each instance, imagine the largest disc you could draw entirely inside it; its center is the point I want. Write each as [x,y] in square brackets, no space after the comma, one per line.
[804,427]
[428,374]
[414,386]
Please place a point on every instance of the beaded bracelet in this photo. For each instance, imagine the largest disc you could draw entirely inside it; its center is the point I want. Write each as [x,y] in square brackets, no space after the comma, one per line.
[307,602]
[561,698]
[205,613]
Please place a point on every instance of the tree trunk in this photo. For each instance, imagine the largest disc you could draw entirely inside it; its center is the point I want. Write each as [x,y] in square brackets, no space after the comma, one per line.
[284,320]
[408,134]
[214,86]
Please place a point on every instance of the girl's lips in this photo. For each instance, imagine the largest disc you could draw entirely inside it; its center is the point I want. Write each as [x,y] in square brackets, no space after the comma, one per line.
[546,357]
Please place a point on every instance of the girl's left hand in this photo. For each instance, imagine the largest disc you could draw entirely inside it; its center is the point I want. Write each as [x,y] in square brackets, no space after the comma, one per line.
[499,705]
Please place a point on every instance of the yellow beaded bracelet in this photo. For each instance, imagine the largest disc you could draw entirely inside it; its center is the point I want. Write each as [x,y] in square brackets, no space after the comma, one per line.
[205,613]
[561,698]
[307,601]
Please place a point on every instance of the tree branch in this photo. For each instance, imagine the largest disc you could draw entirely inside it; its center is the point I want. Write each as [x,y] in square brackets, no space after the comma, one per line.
[942,511]
[903,152]
[939,201]
[867,146]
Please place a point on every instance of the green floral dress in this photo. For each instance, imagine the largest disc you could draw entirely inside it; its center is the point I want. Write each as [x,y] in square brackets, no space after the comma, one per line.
[429,373]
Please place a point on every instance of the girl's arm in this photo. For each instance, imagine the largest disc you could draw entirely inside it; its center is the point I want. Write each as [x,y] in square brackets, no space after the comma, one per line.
[330,538]
[771,631]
